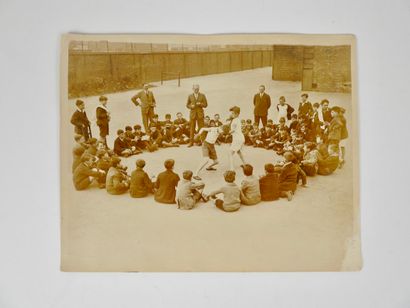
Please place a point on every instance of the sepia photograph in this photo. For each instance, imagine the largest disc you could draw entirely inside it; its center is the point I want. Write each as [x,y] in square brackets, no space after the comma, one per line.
[209,153]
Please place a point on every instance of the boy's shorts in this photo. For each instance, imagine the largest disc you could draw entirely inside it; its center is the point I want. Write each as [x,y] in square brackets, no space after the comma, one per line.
[208,150]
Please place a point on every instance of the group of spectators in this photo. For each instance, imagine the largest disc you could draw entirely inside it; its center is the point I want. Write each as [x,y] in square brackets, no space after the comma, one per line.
[310,140]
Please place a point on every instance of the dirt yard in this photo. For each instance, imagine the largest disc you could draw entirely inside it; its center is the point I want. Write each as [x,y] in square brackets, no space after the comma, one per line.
[118,233]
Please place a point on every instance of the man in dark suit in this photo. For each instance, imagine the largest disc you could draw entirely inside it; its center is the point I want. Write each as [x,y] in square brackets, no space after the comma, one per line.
[80,120]
[262,103]
[146,100]
[196,103]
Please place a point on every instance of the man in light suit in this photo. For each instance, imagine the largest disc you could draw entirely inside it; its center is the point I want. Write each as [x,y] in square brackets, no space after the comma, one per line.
[146,100]
[196,103]
[262,103]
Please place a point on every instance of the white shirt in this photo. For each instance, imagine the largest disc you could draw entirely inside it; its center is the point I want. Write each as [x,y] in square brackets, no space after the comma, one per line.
[213,134]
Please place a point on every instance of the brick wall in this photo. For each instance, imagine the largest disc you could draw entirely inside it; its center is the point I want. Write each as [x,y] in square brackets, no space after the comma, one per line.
[92,73]
[320,68]
[287,62]
[331,69]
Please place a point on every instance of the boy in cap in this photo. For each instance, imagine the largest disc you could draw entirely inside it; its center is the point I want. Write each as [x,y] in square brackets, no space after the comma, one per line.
[166,183]
[250,190]
[141,184]
[231,201]
[80,120]
[85,172]
[117,180]
[269,184]
[188,192]
[103,118]
[208,148]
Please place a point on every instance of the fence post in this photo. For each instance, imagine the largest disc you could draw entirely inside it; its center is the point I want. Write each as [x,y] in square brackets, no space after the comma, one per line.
[179,79]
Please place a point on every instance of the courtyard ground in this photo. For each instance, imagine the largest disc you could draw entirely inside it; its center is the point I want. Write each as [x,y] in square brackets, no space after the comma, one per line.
[117,233]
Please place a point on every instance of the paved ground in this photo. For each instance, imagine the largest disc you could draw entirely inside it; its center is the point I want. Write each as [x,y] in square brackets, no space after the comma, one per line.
[100,230]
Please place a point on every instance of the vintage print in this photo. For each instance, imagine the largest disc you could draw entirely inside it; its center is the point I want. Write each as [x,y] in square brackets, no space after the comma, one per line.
[209,153]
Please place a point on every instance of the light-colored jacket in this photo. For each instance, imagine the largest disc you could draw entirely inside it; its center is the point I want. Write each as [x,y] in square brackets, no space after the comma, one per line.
[185,195]
[232,196]
[250,191]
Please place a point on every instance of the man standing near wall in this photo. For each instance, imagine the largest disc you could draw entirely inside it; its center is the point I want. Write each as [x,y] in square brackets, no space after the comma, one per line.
[146,100]
[262,103]
[196,104]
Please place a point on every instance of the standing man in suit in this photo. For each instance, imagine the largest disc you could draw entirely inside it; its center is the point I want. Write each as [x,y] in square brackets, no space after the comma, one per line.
[80,121]
[196,104]
[262,103]
[146,100]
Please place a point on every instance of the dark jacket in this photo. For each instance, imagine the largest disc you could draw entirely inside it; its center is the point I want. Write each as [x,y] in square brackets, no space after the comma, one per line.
[141,184]
[262,104]
[102,116]
[120,146]
[305,109]
[335,128]
[81,176]
[269,186]
[288,177]
[80,121]
[196,106]
[166,183]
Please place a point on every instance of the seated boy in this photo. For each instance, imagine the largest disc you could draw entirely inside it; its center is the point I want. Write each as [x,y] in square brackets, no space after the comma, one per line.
[250,190]
[269,184]
[231,201]
[254,134]
[310,159]
[85,172]
[168,129]
[288,177]
[141,184]
[140,139]
[181,129]
[117,181]
[122,147]
[328,164]
[166,183]
[188,192]
[77,153]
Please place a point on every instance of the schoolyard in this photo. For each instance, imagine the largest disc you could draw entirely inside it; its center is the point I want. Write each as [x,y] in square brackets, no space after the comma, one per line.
[312,232]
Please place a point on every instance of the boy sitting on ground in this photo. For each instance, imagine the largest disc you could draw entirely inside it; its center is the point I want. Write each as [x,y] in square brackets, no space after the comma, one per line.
[288,177]
[188,192]
[250,190]
[166,183]
[122,147]
[141,184]
[117,180]
[231,201]
[86,172]
[269,184]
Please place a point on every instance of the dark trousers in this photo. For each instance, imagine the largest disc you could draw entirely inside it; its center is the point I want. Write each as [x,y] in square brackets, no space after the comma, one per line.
[147,116]
[192,126]
[264,120]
